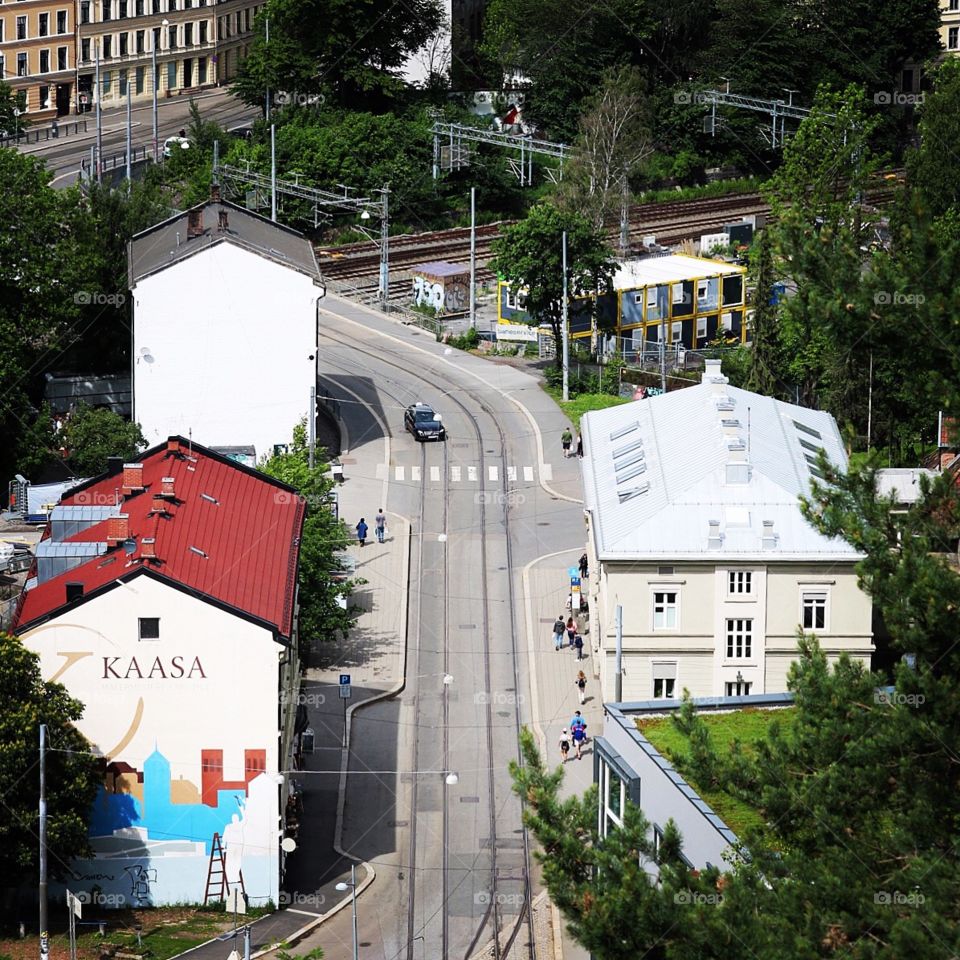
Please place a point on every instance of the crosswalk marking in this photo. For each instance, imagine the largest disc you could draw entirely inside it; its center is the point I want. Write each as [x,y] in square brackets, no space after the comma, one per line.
[455,474]
[471,473]
[546,472]
[493,473]
[435,474]
[511,474]
[415,474]
[399,474]
[382,470]
[528,474]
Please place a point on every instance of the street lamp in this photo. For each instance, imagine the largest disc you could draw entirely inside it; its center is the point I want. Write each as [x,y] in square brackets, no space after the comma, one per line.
[352,885]
[156,148]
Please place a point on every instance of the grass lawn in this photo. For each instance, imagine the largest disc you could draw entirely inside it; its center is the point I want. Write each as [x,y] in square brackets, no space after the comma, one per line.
[584,403]
[747,726]
[167,931]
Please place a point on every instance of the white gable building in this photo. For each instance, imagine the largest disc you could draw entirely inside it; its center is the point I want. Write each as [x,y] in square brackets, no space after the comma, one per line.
[695,530]
[224,327]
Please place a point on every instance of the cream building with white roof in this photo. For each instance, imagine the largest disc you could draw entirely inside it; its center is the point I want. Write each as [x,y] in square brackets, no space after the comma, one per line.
[694,528]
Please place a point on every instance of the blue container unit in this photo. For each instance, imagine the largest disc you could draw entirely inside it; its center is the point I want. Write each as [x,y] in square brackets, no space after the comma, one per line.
[687,300]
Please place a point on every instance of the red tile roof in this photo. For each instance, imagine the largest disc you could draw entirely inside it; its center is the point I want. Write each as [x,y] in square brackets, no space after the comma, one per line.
[247,543]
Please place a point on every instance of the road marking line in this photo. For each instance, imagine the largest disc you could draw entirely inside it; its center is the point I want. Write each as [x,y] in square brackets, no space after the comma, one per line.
[494,474]
[546,472]
[455,474]
[415,474]
[511,474]
[471,473]
[382,469]
[399,474]
[528,474]
[435,474]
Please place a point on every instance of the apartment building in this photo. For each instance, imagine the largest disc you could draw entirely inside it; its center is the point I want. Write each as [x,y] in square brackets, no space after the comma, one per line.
[950,25]
[198,44]
[37,55]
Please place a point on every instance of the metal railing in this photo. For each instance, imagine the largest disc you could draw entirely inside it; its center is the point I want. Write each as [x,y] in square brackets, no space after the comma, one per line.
[52,132]
[345,288]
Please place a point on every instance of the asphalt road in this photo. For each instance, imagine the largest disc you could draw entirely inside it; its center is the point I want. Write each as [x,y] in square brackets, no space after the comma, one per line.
[452,859]
[63,155]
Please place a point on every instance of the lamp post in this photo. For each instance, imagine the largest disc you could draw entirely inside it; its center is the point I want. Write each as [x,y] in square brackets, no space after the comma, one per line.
[156,80]
[352,885]
[383,284]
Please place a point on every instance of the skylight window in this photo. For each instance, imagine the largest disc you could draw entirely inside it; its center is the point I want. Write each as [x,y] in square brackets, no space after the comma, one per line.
[623,431]
[625,495]
[628,462]
[803,428]
[631,472]
[627,448]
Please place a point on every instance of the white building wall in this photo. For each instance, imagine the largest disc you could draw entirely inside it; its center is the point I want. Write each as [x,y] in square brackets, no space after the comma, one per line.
[220,347]
[698,644]
[209,682]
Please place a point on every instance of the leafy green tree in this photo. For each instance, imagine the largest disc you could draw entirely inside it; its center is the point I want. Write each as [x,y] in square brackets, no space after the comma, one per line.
[859,793]
[529,255]
[765,359]
[322,617]
[10,103]
[91,435]
[72,773]
[349,51]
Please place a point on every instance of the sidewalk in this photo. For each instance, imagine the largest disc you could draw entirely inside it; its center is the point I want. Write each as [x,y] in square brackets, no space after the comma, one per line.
[552,677]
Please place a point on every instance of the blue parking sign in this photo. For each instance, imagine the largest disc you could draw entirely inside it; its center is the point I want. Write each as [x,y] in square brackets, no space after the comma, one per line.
[344,679]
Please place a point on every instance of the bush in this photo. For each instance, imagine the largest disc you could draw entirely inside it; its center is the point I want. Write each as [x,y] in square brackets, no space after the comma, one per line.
[466,341]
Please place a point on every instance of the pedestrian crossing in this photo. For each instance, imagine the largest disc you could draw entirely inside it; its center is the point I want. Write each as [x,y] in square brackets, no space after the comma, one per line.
[458,473]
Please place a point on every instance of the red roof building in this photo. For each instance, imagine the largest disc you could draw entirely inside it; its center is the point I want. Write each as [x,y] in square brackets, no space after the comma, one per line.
[184,515]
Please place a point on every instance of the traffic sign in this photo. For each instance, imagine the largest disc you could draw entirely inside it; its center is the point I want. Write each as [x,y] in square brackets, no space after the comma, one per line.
[344,679]
[344,691]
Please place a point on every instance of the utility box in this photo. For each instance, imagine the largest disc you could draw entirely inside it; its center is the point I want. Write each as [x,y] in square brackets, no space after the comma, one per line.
[739,233]
[443,286]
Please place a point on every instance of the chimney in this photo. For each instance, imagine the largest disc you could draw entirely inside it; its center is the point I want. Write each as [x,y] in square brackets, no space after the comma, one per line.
[148,548]
[159,504]
[132,478]
[166,488]
[222,221]
[118,529]
[215,192]
[194,224]
[713,375]
[714,538]
[769,539]
[114,466]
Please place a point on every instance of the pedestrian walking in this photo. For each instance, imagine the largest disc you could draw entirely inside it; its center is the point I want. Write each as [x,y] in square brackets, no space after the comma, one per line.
[558,629]
[362,531]
[579,446]
[571,629]
[578,721]
[566,438]
[581,685]
[564,745]
[584,566]
[579,735]
[380,525]
[578,643]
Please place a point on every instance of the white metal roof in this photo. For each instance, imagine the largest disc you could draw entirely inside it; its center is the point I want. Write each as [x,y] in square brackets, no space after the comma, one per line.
[706,472]
[634,274]
[902,483]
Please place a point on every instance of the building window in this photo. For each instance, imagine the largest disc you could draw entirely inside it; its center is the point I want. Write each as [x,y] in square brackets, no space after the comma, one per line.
[678,293]
[21,64]
[108,46]
[613,792]
[202,71]
[122,11]
[61,21]
[676,332]
[122,78]
[726,322]
[156,38]
[211,761]
[22,30]
[45,100]
[149,628]
[107,15]
[238,21]
[62,59]
[739,582]
[44,61]
[124,41]
[138,79]
[156,6]
[203,36]
[657,840]
[665,604]
[739,638]
[701,327]
[171,75]
[85,11]
[814,607]
[85,50]
[172,37]
[953,38]
[138,8]
[43,20]
[188,34]
[139,41]
[664,681]
[738,688]
[954,5]
[105,82]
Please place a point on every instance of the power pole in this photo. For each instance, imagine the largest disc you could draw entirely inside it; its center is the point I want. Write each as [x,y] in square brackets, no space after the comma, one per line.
[625,218]
[44,935]
[312,423]
[155,80]
[564,332]
[273,173]
[266,41]
[129,137]
[870,404]
[99,93]
[618,680]
[473,257]
[385,248]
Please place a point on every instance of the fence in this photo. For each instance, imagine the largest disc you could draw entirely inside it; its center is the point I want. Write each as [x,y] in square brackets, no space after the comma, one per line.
[117,161]
[346,289]
[38,134]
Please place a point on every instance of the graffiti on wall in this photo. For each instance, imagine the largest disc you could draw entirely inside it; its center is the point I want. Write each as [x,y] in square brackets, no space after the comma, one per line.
[450,297]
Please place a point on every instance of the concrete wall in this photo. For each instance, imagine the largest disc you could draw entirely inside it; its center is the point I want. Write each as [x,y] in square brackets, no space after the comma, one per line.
[210,682]
[221,347]
[698,644]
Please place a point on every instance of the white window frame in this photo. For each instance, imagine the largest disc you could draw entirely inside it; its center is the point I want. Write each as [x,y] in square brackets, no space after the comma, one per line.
[676,331]
[726,321]
[953,38]
[744,578]
[701,327]
[737,688]
[26,28]
[40,57]
[651,297]
[738,628]
[703,290]
[676,293]
[665,589]
[814,594]
[609,814]
[668,690]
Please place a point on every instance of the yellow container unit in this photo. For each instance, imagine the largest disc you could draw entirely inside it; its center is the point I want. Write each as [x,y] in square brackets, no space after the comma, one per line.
[688,300]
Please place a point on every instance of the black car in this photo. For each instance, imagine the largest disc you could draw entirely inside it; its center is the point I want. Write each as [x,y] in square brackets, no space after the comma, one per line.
[424,422]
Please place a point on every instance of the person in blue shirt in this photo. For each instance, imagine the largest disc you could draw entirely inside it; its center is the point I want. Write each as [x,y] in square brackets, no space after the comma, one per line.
[362,531]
